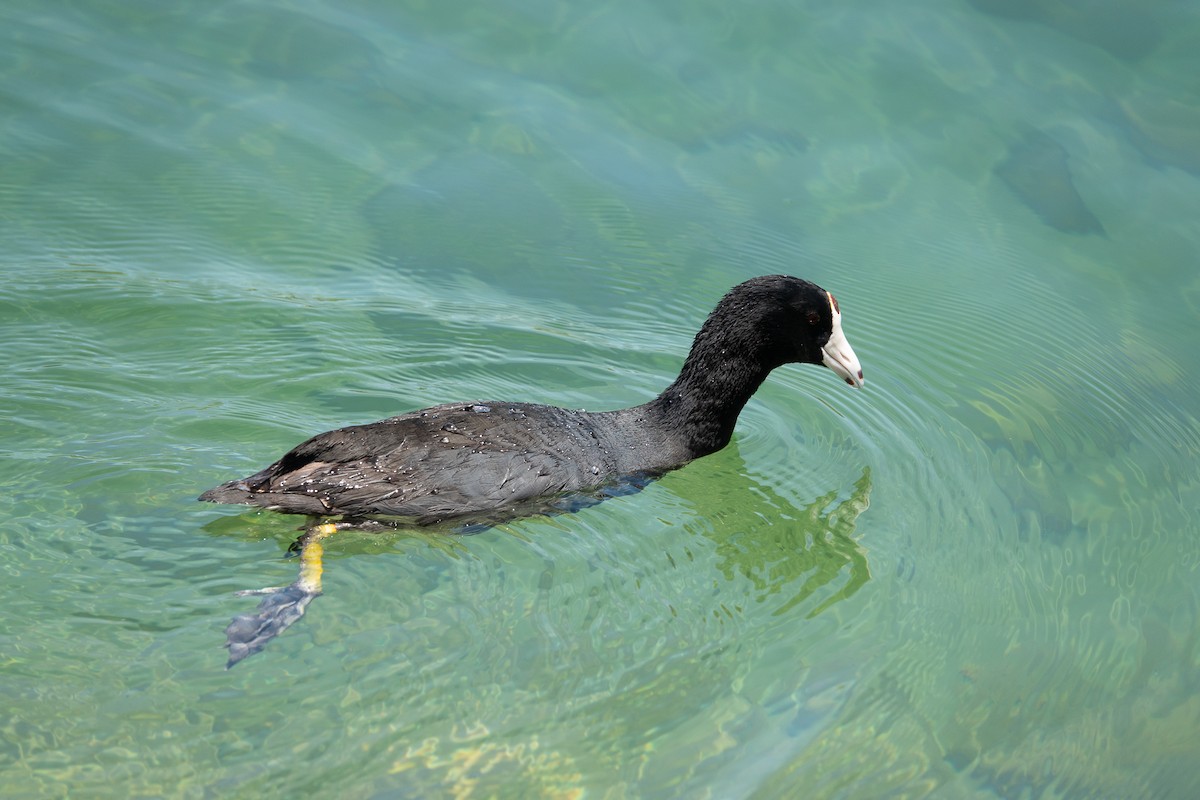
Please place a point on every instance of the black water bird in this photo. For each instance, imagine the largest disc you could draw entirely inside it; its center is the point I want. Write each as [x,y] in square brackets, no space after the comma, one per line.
[482,462]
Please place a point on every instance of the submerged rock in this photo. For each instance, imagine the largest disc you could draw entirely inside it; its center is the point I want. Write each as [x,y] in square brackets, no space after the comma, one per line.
[1126,30]
[1036,170]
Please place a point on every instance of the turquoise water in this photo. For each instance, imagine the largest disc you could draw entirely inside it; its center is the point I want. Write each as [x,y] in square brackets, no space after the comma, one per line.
[227,227]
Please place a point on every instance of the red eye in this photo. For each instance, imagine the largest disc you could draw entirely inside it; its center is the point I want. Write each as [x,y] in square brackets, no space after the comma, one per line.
[813,318]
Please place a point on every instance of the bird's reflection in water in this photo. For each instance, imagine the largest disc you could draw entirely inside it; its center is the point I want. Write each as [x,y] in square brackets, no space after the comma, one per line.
[789,553]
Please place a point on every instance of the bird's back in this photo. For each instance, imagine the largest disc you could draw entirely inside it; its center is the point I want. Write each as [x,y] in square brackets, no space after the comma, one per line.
[436,464]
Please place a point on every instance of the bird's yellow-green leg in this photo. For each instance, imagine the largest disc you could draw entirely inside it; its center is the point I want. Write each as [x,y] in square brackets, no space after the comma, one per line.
[280,606]
[311,554]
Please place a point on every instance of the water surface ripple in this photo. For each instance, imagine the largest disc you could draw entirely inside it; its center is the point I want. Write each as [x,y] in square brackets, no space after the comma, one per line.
[229,227]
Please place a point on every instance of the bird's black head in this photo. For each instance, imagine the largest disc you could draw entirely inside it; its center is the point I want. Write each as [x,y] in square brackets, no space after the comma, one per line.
[795,321]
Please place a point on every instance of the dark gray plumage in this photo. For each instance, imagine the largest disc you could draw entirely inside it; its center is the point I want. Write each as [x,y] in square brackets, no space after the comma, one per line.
[492,460]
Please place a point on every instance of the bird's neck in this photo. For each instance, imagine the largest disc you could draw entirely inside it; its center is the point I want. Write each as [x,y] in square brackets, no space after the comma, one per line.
[704,402]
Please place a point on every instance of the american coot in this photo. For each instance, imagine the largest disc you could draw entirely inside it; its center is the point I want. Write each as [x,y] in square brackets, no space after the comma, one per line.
[472,463]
